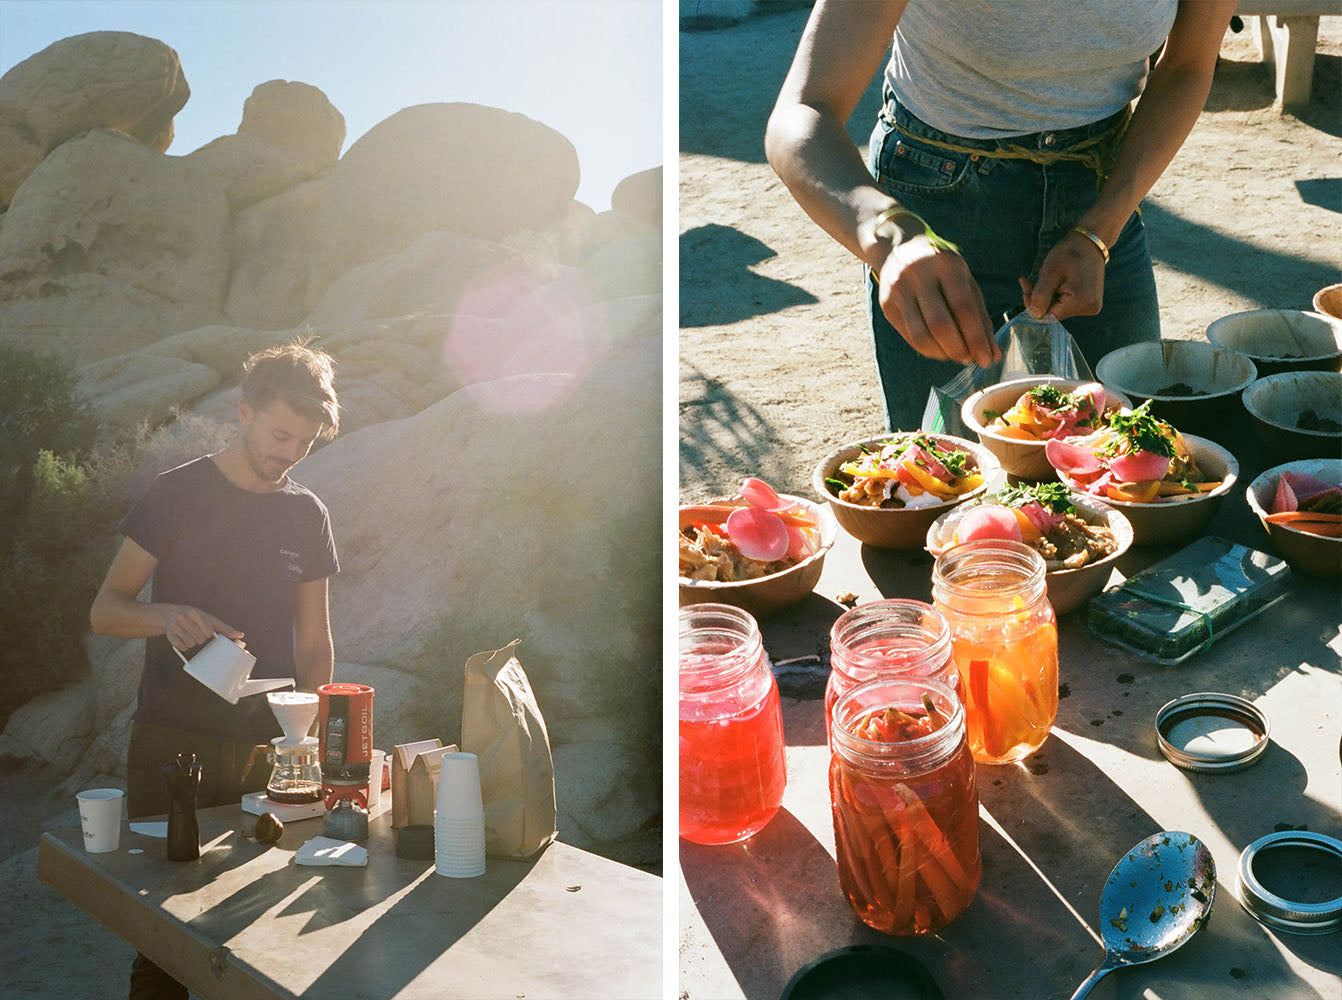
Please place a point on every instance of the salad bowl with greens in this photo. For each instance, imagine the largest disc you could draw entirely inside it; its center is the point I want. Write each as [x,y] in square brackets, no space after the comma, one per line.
[885,491]
[1079,538]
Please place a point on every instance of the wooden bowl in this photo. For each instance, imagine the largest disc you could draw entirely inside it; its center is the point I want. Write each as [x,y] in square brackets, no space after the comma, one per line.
[1068,589]
[1142,371]
[1275,403]
[766,595]
[894,528]
[1328,301]
[1313,555]
[1178,519]
[1283,340]
[1022,459]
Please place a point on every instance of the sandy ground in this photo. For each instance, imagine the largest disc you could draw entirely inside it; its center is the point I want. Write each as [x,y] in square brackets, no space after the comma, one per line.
[776,367]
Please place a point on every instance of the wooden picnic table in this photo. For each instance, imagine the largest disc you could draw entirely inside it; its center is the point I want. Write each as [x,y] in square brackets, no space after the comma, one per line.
[245,922]
[1053,826]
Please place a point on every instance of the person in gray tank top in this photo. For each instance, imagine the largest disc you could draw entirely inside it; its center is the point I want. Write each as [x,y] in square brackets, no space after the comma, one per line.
[1005,168]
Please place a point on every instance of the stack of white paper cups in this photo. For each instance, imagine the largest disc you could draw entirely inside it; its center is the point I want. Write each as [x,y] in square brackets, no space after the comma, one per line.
[459,823]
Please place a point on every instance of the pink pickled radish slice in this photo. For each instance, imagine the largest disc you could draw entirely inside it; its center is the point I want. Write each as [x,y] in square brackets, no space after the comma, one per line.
[798,543]
[989,521]
[758,534]
[924,458]
[1285,499]
[758,493]
[1071,459]
[1139,466]
[1044,520]
[1067,426]
[1096,393]
[1305,486]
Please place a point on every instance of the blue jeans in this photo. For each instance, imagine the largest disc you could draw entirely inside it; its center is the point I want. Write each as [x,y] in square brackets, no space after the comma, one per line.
[1005,215]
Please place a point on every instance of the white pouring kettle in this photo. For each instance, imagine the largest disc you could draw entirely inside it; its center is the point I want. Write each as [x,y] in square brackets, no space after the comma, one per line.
[225,667]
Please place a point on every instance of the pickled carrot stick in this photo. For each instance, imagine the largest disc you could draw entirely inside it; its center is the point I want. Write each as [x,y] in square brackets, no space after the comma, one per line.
[978,693]
[906,878]
[849,862]
[872,830]
[925,828]
[944,893]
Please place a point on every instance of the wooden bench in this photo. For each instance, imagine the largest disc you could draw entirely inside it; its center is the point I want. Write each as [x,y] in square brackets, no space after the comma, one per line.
[1287,32]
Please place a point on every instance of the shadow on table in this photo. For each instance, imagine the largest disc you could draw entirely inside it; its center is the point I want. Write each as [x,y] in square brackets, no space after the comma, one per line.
[397,947]
[1064,813]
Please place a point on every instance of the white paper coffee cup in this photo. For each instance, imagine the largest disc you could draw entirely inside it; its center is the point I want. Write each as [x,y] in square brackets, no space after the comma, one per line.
[458,794]
[100,818]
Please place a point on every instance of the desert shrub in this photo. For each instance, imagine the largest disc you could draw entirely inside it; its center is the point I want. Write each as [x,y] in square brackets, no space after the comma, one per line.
[47,574]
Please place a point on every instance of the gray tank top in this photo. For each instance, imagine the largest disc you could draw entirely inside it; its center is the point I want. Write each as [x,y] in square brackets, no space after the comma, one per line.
[990,68]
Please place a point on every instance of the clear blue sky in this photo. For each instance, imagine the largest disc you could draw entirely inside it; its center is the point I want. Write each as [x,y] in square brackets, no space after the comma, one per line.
[590,69]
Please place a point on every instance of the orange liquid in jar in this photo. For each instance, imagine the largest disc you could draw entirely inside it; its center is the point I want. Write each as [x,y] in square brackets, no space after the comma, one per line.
[906,845]
[732,772]
[1009,684]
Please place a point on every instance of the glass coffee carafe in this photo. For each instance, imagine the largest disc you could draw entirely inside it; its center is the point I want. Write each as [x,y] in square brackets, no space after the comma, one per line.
[296,775]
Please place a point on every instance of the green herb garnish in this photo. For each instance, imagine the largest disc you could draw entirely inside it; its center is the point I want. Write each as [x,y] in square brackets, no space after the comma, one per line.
[1144,432]
[837,485]
[1050,396]
[1051,496]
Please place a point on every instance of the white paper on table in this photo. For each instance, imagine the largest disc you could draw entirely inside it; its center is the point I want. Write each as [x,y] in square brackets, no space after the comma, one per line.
[328,851]
[150,829]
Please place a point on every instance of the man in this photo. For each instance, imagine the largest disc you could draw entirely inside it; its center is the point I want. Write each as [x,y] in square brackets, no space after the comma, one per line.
[234,546]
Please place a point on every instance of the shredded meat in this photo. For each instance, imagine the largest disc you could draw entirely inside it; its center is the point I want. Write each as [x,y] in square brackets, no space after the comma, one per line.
[1074,543]
[706,555]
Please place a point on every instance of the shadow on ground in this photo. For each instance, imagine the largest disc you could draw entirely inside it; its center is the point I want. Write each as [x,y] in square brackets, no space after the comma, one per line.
[714,258]
[717,426]
[1270,279]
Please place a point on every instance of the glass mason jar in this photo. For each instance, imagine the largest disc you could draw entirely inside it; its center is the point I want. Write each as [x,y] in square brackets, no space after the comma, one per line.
[732,771]
[888,638]
[904,803]
[1005,641]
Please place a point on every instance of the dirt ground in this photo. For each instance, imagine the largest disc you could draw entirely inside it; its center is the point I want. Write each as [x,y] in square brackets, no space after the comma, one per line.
[776,367]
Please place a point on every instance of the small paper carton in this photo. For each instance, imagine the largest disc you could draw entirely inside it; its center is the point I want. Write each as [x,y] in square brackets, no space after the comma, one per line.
[414,781]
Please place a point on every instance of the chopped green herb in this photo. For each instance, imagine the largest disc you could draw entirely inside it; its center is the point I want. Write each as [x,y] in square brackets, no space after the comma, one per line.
[1051,496]
[1050,396]
[1144,432]
[837,485]
[991,415]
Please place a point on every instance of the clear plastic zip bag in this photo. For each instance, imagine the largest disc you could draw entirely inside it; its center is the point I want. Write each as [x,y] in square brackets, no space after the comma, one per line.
[1029,347]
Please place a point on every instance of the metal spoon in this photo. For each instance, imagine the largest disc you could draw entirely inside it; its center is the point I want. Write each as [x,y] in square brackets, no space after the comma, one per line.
[1157,897]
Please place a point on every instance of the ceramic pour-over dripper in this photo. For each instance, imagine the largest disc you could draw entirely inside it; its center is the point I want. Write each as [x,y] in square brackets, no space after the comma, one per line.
[294,710]
[224,667]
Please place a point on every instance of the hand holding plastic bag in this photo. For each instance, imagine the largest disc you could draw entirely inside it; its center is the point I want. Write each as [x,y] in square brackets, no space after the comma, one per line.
[1029,347]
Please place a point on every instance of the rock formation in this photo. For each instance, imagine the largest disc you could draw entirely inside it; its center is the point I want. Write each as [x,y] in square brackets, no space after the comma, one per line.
[499,365]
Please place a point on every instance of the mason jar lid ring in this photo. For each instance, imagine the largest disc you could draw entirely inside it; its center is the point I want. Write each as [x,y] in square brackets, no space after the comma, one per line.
[1292,916]
[1191,737]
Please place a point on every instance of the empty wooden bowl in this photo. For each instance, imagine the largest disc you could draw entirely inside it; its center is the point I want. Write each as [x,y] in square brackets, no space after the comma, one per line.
[1194,385]
[1283,340]
[1297,414]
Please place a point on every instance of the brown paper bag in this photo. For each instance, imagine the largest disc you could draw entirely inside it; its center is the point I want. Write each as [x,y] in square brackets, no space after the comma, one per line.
[404,792]
[502,725]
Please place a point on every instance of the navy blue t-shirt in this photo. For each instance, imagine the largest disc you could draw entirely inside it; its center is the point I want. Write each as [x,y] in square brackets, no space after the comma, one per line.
[239,556]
